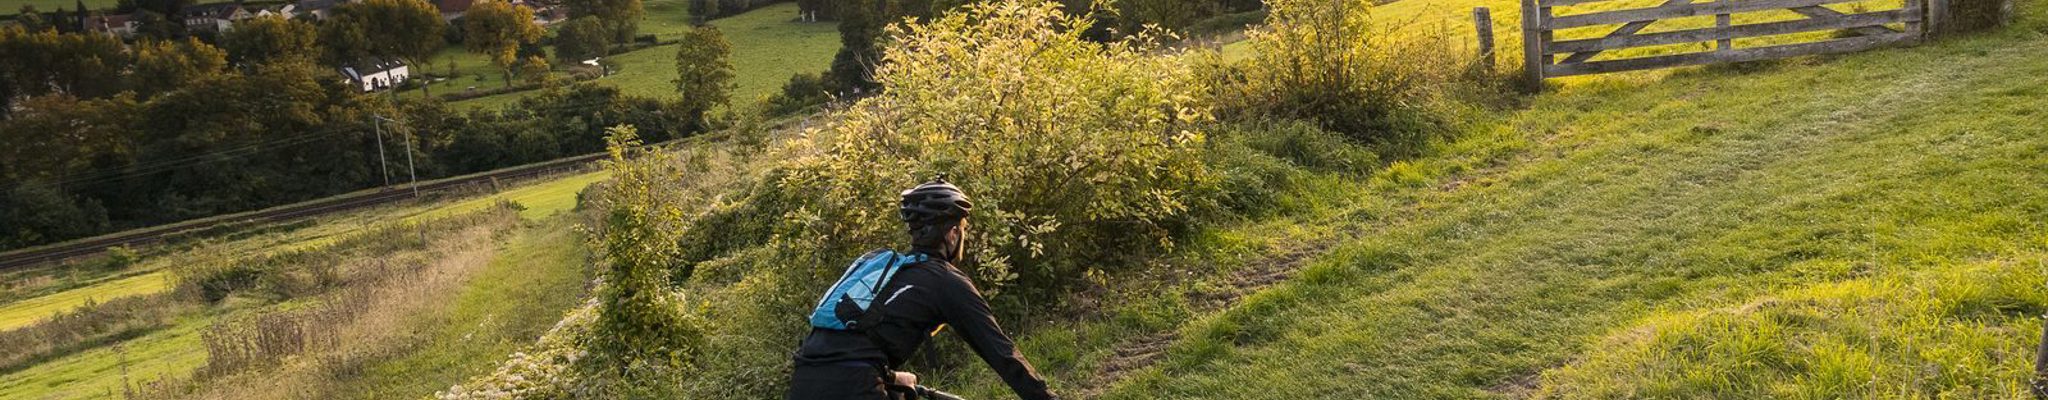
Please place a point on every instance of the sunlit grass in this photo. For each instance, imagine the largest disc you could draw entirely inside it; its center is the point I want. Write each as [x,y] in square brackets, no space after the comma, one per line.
[537,276]
[1615,201]
[540,200]
[768,47]
[172,353]
[28,311]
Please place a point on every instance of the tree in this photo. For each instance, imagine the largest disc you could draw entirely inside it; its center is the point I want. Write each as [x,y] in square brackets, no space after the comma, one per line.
[262,39]
[704,10]
[152,24]
[621,17]
[39,62]
[860,27]
[344,41]
[408,30]
[703,71]
[58,134]
[163,65]
[61,21]
[83,12]
[534,69]
[496,29]
[48,138]
[581,39]
[30,20]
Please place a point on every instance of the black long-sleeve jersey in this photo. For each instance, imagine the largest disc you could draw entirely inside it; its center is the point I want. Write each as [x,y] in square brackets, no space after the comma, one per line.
[916,301]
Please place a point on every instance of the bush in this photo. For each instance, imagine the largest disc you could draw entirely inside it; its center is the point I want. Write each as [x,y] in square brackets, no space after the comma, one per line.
[1977,15]
[642,335]
[1322,61]
[35,213]
[1078,153]
[581,39]
[88,326]
[803,91]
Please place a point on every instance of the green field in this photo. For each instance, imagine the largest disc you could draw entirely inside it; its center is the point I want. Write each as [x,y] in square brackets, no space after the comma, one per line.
[1860,226]
[171,353]
[1869,226]
[13,7]
[16,314]
[537,275]
[768,46]
[540,199]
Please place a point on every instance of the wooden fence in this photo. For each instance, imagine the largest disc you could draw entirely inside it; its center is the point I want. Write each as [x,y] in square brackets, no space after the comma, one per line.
[1546,57]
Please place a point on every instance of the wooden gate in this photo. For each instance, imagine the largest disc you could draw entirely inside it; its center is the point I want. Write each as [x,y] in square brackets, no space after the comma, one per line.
[1866,30]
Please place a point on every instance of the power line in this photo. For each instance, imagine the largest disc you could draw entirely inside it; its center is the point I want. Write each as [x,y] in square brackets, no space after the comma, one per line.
[246,149]
[155,166]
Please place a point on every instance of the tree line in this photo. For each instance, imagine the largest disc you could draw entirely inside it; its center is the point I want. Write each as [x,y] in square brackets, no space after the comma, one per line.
[105,134]
[862,25]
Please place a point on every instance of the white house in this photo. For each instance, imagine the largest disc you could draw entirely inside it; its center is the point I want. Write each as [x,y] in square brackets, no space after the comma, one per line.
[119,25]
[373,74]
[287,11]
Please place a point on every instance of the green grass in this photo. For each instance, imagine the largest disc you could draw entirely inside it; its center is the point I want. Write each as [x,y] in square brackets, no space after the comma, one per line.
[1866,226]
[28,311]
[538,276]
[768,46]
[13,7]
[1567,237]
[557,195]
[171,353]
[470,70]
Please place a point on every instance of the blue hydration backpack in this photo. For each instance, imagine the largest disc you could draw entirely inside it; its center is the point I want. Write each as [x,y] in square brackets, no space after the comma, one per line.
[846,305]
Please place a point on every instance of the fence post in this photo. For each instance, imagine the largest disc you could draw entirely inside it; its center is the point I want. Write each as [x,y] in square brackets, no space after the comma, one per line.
[1533,37]
[2040,381]
[1482,24]
[1722,21]
[1934,18]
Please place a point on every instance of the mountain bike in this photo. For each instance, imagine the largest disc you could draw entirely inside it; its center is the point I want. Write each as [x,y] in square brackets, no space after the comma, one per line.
[907,387]
[925,393]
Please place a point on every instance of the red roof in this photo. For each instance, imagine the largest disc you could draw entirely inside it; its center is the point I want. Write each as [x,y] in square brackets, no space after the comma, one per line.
[454,6]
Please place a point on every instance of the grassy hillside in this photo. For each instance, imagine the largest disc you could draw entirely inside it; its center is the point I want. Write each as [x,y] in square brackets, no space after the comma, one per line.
[27,311]
[13,7]
[1851,227]
[495,301]
[768,46]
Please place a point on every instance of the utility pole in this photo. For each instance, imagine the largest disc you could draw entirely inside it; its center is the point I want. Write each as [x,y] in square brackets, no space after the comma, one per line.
[413,173]
[410,170]
[376,123]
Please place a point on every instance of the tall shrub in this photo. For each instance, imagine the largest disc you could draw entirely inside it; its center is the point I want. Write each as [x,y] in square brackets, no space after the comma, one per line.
[1323,61]
[1078,153]
[642,332]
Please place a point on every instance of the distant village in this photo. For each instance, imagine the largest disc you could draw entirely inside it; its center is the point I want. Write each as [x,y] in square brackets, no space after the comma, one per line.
[369,74]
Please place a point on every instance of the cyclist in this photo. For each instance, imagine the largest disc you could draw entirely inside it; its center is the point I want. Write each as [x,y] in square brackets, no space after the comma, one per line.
[845,364]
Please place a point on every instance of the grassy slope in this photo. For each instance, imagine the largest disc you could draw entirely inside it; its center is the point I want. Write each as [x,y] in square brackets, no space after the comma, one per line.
[1655,196]
[28,311]
[543,264]
[536,278]
[541,200]
[172,353]
[768,47]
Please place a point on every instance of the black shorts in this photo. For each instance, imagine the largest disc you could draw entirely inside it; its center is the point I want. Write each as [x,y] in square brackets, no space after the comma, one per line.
[837,382]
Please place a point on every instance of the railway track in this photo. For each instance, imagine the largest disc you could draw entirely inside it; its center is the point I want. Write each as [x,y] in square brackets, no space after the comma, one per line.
[314,208]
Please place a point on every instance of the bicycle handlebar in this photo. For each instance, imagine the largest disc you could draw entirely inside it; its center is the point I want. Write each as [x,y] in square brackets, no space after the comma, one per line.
[935,394]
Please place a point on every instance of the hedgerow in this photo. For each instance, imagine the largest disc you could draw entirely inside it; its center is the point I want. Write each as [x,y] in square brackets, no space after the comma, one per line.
[1086,160]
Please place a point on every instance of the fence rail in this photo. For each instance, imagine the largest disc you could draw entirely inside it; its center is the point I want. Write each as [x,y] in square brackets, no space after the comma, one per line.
[1545,57]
